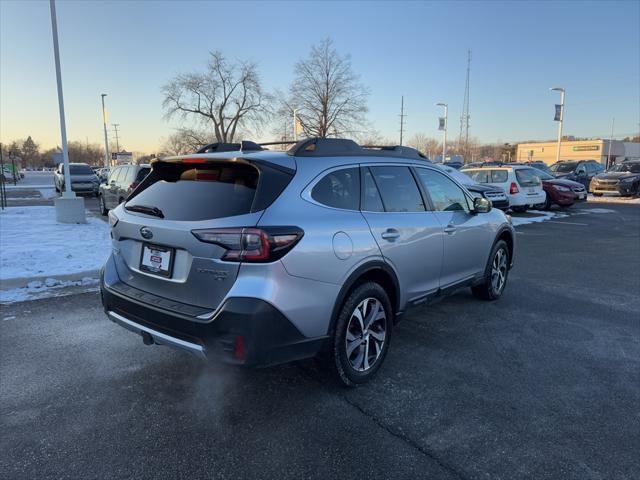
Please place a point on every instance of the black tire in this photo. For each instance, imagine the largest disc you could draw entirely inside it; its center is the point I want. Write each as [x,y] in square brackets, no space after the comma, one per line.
[597,194]
[103,208]
[520,209]
[340,361]
[547,203]
[488,290]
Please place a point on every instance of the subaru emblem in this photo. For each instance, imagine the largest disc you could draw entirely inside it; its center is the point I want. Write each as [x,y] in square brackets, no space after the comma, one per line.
[146,233]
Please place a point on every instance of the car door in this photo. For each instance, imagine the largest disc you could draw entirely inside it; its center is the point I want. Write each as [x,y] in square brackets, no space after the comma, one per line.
[467,236]
[410,236]
[123,182]
[109,193]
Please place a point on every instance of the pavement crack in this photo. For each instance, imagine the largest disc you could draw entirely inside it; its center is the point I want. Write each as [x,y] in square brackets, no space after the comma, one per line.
[405,439]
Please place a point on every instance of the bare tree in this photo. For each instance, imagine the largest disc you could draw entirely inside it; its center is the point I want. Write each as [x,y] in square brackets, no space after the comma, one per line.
[427,145]
[187,140]
[328,98]
[226,97]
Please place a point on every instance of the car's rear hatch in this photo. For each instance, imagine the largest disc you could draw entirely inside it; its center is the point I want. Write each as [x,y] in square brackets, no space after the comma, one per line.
[156,251]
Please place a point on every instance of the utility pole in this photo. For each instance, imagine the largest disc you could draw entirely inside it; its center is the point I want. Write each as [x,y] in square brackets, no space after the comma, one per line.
[559,118]
[107,161]
[443,127]
[465,116]
[402,115]
[115,128]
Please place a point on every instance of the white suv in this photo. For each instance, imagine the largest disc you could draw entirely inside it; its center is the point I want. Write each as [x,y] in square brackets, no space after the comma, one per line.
[521,183]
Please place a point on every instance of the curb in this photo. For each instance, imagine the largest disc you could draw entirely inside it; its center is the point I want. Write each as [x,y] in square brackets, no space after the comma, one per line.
[12,283]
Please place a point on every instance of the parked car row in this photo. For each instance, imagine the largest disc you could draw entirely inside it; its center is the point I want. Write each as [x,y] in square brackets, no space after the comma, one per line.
[621,179]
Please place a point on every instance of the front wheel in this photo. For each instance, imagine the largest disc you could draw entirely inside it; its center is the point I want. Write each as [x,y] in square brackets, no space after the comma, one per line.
[496,273]
[362,334]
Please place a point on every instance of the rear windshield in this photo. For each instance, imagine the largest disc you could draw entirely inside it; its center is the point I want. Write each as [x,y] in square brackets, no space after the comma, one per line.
[488,176]
[80,170]
[185,192]
[527,177]
[564,167]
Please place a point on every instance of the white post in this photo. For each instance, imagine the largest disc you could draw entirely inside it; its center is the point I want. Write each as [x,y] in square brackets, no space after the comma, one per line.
[69,208]
[560,120]
[107,162]
[63,127]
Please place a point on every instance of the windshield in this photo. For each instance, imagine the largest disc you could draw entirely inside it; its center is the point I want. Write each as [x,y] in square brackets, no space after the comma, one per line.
[626,167]
[80,170]
[543,175]
[459,176]
[564,167]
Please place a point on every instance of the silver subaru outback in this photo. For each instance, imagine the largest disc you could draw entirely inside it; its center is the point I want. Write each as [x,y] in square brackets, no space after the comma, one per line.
[258,257]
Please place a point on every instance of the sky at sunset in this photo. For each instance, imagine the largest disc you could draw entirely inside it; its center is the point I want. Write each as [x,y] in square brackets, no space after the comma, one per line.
[416,49]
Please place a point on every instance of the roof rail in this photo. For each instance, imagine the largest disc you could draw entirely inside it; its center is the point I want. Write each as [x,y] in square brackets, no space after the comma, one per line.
[337,147]
[243,146]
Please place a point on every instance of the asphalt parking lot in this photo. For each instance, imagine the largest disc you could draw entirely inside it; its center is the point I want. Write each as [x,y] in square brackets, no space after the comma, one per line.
[544,383]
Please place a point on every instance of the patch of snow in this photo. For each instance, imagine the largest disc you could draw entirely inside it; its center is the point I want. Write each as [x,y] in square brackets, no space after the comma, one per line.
[540,217]
[47,193]
[599,210]
[51,287]
[613,199]
[33,244]
[27,187]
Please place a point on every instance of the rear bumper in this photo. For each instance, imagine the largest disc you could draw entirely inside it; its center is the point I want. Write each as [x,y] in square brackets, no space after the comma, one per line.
[243,331]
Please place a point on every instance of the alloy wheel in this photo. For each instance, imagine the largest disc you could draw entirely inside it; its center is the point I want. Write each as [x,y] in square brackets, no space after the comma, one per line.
[366,334]
[499,270]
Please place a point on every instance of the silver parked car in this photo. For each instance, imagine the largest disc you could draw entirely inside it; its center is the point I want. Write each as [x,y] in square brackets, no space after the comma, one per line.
[83,178]
[122,180]
[260,257]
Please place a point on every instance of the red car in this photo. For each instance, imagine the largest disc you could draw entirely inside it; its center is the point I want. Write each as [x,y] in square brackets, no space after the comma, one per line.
[561,192]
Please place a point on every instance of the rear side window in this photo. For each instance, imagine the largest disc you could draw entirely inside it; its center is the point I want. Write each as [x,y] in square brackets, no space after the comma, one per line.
[499,176]
[143,172]
[527,177]
[398,189]
[371,201]
[114,175]
[185,192]
[339,189]
[445,194]
[480,176]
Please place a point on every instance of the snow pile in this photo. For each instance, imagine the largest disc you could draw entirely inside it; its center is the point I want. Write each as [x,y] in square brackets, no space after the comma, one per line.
[33,244]
[614,199]
[540,216]
[50,287]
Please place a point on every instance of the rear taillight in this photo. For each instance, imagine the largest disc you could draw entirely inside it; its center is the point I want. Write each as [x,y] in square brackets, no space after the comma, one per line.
[513,189]
[133,185]
[252,244]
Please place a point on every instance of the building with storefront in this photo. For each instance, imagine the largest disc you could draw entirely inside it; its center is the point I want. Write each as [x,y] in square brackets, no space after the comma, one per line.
[599,150]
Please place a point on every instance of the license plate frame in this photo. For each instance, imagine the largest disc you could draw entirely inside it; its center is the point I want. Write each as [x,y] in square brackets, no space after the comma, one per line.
[159,251]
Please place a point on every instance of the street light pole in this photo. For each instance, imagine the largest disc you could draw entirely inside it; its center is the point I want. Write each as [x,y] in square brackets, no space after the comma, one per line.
[106,139]
[446,121]
[560,119]
[69,208]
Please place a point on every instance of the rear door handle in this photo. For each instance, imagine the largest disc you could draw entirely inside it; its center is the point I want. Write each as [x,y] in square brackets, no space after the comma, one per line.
[450,229]
[390,234]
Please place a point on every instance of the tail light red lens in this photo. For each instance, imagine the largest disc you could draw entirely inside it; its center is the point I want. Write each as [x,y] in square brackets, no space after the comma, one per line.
[133,185]
[513,189]
[252,244]
[239,350]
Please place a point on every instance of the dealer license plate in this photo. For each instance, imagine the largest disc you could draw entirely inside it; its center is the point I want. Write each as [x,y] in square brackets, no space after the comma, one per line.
[157,260]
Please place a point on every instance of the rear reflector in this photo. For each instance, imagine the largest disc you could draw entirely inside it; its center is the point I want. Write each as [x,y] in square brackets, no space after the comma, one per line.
[252,244]
[239,350]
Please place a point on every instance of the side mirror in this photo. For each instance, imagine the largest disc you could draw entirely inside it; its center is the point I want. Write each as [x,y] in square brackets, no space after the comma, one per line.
[481,205]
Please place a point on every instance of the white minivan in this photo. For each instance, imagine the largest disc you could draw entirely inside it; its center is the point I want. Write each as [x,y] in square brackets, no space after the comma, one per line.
[521,183]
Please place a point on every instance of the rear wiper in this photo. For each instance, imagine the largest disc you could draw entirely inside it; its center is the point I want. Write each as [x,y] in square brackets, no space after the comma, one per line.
[155,211]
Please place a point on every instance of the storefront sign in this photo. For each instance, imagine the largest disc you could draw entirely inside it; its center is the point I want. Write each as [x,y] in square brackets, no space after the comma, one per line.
[586,148]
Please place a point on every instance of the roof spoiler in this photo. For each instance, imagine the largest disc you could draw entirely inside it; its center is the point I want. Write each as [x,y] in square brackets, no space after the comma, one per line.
[243,146]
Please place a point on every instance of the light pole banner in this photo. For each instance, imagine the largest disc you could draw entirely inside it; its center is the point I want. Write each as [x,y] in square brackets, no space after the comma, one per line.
[558,116]
[441,123]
